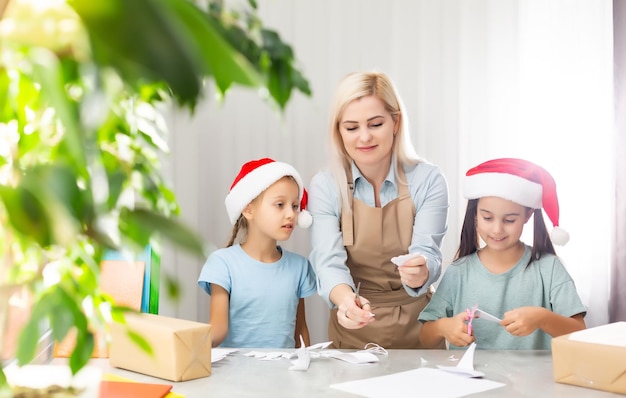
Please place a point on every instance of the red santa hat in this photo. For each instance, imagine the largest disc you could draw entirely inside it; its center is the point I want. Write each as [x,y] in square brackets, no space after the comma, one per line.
[254,178]
[520,181]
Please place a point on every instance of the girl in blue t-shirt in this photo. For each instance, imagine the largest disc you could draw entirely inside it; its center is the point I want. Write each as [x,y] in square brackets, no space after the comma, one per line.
[257,289]
[527,287]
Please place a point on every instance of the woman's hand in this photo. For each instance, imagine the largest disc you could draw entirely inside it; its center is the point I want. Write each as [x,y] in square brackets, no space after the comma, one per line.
[414,272]
[352,312]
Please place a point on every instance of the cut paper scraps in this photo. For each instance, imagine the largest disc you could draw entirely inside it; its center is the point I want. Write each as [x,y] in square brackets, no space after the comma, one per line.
[221,353]
[303,355]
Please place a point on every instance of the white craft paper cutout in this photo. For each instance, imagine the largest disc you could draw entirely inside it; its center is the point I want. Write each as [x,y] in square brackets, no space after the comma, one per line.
[486,316]
[304,358]
[358,357]
[400,260]
[466,364]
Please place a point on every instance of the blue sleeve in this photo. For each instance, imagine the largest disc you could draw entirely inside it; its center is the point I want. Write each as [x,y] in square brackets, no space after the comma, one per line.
[307,280]
[328,256]
[429,190]
[215,270]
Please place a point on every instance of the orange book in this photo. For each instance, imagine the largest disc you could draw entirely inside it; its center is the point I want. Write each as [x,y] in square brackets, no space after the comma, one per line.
[125,389]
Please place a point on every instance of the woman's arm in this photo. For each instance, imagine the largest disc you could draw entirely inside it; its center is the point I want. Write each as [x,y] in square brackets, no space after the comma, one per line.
[301,326]
[219,314]
[328,255]
[429,190]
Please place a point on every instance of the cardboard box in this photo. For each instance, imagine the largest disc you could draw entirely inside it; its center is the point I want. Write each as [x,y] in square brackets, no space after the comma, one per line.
[181,348]
[593,358]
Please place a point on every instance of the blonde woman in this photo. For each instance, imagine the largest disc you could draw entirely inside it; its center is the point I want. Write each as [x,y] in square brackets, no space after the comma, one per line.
[377,201]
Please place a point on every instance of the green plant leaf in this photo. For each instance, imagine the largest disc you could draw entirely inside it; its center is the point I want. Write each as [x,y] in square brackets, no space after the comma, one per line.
[141,342]
[49,74]
[142,223]
[29,336]
[142,49]
[85,344]
[58,183]
[5,389]
[221,61]
[64,312]
[27,214]
[173,41]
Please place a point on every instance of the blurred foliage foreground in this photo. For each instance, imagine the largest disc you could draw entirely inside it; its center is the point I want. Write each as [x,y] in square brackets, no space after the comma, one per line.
[82,83]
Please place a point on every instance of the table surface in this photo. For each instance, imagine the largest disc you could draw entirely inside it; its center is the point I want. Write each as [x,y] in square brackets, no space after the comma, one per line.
[524,373]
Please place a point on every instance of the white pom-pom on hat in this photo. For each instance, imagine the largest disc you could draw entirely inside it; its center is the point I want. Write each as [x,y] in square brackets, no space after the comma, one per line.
[520,181]
[559,236]
[255,177]
[305,219]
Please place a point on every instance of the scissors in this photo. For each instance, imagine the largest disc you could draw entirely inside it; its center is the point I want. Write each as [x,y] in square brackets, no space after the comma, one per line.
[357,298]
[469,316]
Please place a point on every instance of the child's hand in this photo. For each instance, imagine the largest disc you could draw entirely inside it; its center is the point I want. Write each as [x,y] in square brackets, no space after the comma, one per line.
[454,330]
[523,321]
[414,272]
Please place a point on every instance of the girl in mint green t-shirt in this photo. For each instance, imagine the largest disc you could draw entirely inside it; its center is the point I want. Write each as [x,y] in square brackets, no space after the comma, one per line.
[526,286]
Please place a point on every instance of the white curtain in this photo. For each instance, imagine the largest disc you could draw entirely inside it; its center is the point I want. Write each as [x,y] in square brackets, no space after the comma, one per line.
[481,79]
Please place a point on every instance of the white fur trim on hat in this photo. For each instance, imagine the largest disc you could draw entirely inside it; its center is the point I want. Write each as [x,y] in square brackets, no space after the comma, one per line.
[254,183]
[503,185]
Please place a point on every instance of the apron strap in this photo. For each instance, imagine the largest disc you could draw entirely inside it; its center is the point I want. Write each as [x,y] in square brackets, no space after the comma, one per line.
[347,224]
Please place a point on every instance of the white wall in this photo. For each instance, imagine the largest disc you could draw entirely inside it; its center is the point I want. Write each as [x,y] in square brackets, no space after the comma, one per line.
[453,62]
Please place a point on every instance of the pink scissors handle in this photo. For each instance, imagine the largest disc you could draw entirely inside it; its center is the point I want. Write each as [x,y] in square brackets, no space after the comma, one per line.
[469,316]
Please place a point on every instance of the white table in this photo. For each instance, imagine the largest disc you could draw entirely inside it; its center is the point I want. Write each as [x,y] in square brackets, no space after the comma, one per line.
[524,373]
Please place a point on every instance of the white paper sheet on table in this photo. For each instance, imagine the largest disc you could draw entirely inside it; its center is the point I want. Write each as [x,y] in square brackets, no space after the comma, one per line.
[447,381]
[423,382]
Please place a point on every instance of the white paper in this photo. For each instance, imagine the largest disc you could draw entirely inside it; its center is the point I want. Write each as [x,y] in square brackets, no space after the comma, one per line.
[426,382]
[270,355]
[400,260]
[613,334]
[320,345]
[466,364]
[304,359]
[220,353]
[355,357]
[486,316]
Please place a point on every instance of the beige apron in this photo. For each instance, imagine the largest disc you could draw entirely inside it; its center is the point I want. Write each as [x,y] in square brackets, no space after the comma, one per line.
[372,236]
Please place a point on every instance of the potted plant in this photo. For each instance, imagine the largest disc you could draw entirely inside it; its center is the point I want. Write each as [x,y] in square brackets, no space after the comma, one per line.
[82,86]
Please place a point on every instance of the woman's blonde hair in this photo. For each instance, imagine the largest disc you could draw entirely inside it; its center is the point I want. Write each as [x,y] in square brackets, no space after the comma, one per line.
[352,87]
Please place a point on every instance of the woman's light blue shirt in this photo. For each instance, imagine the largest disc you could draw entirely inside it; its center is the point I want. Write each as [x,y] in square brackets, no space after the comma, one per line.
[429,191]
